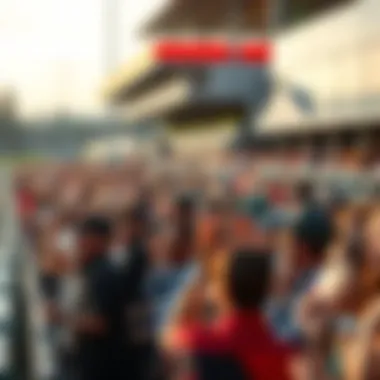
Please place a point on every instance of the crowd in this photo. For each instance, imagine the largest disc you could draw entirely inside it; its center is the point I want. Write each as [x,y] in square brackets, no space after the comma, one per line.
[154,274]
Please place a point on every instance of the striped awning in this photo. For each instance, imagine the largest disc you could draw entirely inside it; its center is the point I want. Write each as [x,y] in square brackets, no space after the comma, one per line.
[169,95]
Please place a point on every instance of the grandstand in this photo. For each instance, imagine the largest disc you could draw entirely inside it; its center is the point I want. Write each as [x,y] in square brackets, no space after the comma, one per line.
[184,97]
[334,57]
[187,97]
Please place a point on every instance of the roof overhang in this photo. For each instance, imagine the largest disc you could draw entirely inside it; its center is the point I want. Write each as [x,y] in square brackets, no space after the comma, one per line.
[353,118]
[344,87]
[182,16]
[170,95]
[208,60]
[140,66]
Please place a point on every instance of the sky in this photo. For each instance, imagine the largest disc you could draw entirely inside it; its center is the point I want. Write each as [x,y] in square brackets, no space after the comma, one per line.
[52,51]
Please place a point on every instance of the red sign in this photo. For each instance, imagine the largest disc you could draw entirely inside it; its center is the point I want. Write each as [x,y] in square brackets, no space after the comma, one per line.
[209,52]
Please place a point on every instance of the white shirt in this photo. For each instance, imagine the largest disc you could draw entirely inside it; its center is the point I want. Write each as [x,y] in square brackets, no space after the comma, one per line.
[119,255]
[70,303]
[65,242]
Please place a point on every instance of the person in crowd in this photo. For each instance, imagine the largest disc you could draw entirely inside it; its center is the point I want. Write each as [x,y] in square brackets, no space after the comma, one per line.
[54,249]
[183,220]
[238,344]
[310,237]
[357,344]
[135,271]
[160,276]
[307,200]
[173,261]
[214,230]
[98,321]
[172,281]
[27,206]
[305,194]
[343,307]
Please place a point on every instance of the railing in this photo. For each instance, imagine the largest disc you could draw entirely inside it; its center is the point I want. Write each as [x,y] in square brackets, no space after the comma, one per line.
[11,365]
[24,348]
[39,348]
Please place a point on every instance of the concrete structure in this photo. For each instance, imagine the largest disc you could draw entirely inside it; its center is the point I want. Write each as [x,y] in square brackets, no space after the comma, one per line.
[61,137]
[214,16]
[183,94]
[183,98]
[58,138]
[335,57]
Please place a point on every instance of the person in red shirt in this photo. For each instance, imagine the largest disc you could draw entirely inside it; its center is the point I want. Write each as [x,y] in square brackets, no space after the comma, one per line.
[26,201]
[27,206]
[238,344]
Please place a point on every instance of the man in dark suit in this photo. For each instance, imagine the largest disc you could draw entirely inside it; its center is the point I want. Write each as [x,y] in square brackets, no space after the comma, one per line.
[98,322]
[137,308]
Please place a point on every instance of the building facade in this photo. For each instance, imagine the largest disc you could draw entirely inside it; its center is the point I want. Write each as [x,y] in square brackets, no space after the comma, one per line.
[325,53]
[191,99]
[335,58]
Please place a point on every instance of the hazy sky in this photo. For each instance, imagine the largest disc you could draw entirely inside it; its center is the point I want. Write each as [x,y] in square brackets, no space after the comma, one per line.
[52,50]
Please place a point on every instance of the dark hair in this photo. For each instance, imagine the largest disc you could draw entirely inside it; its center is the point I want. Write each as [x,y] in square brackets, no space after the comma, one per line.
[314,230]
[355,252]
[185,203]
[248,278]
[338,203]
[305,191]
[96,225]
[136,214]
[219,205]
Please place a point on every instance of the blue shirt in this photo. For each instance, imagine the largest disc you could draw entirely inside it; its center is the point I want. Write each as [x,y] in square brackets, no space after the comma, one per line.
[281,313]
[165,288]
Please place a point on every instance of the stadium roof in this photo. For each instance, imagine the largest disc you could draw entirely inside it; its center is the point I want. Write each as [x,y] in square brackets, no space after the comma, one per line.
[183,16]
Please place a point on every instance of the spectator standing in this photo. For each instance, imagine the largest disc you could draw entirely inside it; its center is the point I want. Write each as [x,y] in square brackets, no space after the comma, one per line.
[238,344]
[98,324]
[311,236]
[134,269]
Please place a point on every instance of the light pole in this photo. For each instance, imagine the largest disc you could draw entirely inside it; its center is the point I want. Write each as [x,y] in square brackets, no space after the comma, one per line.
[111,11]
[111,47]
